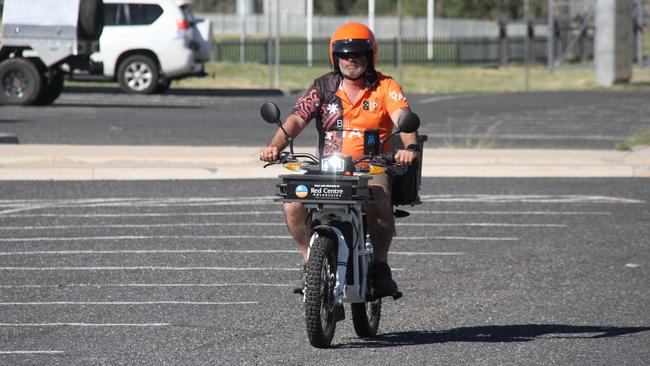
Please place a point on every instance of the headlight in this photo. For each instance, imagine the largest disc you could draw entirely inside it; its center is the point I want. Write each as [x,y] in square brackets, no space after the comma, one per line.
[333,164]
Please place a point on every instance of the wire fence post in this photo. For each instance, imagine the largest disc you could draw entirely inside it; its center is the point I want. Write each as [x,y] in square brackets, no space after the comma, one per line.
[277,44]
[528,24]
[399,40]
[269,45]
[310,32]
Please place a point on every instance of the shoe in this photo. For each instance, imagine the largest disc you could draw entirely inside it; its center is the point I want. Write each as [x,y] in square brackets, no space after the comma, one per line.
[382,281]
[300,289]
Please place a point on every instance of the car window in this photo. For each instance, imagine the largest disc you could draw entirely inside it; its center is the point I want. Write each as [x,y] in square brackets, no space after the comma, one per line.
[115,14]
[131,14]
[143,14]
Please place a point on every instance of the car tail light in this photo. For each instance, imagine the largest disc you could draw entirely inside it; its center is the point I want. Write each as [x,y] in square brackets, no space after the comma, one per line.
[182,25]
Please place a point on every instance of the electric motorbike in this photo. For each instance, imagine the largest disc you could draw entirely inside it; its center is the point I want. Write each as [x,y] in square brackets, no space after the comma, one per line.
[333,189]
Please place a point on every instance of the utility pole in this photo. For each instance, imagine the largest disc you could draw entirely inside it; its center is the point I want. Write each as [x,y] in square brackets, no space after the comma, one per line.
[277,44]
[430,17]
[399,40]
[527,45]
[310,32]
[371,15]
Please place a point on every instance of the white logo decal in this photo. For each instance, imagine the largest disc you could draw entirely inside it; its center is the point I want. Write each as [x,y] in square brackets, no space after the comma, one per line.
[332,108]
[396,96]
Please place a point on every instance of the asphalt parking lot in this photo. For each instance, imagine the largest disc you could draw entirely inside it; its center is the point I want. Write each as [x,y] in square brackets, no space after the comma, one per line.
[494,271]
[103,116]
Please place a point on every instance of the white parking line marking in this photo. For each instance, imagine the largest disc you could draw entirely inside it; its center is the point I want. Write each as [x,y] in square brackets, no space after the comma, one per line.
[129,303]
[280,212]
[31,352]
[491,198]
[145,285]
[480,224]
[188,251]
[171,214]
[550,213]
[218,237]
[141,237]
[444,97]
[217,224]
[157,251]
[470,238]
[136,226]
[147,268]
[427,253]
[84,325]
[138,202]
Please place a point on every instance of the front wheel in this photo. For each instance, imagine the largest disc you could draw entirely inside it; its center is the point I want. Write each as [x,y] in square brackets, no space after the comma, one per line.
[319,292]
[138,74]
[365,317]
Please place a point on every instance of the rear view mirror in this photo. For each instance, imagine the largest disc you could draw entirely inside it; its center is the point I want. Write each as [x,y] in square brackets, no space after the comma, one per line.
[409,122]
[270,112]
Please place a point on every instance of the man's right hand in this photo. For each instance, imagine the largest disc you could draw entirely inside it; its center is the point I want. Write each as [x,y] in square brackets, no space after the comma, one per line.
[269,153]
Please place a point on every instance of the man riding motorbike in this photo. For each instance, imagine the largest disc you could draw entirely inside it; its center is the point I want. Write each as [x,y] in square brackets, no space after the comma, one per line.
[344,102]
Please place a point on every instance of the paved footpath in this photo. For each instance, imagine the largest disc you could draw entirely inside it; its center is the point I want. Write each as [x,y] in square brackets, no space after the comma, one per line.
[86,162]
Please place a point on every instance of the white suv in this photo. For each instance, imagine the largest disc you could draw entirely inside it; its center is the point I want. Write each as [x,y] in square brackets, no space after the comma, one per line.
[147,43]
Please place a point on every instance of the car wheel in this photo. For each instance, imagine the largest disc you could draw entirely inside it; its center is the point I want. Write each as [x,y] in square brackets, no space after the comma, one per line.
[138,75]
[20,82]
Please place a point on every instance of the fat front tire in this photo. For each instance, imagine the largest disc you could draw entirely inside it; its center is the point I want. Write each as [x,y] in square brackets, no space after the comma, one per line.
[319,292]
[21,82]
[138,74]
[365,317]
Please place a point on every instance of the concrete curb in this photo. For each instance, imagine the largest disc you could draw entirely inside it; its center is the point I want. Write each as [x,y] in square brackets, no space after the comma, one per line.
[84,162]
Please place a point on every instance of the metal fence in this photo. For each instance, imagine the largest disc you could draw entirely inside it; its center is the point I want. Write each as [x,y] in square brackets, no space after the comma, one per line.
[451,52]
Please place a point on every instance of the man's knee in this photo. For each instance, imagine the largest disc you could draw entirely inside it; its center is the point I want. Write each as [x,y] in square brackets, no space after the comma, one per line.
[380,209]
[295,214]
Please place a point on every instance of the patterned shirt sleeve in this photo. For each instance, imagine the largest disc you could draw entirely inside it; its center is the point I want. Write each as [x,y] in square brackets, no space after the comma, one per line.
[308,104]
[395,98]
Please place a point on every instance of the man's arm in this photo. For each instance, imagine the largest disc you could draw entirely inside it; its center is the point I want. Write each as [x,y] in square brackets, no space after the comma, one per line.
[293,125]
[405,156]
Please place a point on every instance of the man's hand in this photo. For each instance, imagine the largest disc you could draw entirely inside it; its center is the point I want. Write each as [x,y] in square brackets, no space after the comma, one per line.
[270,153]
[406,157]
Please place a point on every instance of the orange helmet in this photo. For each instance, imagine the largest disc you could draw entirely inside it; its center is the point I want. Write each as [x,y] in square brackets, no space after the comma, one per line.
[353,37]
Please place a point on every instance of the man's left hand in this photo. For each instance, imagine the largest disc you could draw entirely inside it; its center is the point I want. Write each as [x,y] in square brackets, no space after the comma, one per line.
[406,157]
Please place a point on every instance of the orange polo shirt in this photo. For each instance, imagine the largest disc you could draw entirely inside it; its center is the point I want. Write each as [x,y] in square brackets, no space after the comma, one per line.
[372,110]
[339,122]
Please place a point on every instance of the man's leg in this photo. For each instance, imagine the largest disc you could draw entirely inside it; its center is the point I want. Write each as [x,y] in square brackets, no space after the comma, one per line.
[381,222]
[296,217]
[381,226]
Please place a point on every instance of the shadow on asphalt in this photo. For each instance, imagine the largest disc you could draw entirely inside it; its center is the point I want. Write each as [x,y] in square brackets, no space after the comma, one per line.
[183,92]
[494,333]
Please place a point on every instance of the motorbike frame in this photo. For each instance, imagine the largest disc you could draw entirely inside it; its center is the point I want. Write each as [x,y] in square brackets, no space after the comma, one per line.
[328,217]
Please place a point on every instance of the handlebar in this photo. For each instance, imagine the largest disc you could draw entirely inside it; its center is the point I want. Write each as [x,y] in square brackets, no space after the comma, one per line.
[311,163]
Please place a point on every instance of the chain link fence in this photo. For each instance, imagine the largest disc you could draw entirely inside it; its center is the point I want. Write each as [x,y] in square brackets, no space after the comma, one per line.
[450,52]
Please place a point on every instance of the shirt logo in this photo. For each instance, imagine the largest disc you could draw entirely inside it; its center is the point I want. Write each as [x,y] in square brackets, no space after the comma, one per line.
[332,108]
[370,105]
[396,96]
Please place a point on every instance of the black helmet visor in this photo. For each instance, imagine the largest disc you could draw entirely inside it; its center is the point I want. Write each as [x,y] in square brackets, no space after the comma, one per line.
[351,46]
